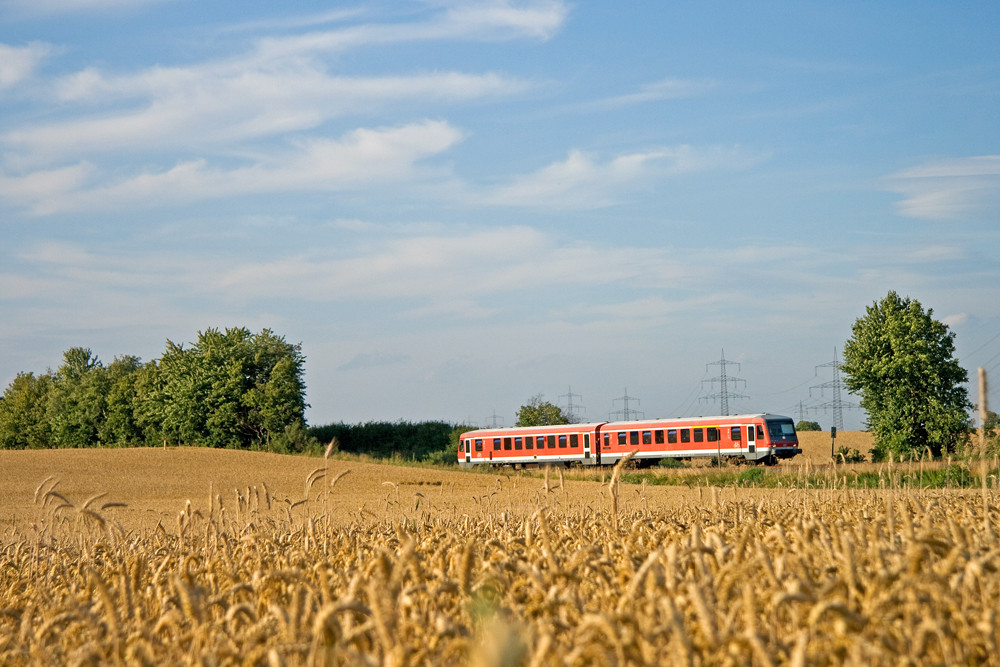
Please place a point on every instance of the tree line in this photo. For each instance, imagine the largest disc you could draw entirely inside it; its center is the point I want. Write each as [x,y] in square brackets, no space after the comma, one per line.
[230,388]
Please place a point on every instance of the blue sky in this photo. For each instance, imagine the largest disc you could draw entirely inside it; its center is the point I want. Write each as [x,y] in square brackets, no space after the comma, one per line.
[455,206]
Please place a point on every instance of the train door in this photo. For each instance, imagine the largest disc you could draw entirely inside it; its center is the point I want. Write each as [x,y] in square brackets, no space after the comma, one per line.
[751,441]
[586,448]
[468,451]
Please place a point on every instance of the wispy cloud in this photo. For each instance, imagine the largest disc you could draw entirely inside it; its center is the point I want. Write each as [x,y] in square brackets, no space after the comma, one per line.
[949,189]
[664,89]
[584,180]
[363,157]
[17,63]
[56,7]
[366,360]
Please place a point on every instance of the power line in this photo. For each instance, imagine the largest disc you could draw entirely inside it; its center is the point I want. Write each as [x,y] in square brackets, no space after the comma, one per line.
[836,405]
[495,421]
[570,408]
[724,381]
[625,413]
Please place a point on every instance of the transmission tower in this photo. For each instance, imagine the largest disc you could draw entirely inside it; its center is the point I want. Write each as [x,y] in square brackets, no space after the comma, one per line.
[495,421]
[625,414]
[836,405]
[570,408]
[724,380]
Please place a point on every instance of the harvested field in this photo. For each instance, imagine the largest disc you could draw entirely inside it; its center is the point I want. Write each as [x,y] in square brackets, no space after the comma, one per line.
[815,445]
[295,561]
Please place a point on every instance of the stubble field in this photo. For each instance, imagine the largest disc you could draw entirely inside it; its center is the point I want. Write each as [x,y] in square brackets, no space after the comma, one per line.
[194,556]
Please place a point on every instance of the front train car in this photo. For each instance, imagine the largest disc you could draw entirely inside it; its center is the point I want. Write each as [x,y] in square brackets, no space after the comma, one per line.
[780,436]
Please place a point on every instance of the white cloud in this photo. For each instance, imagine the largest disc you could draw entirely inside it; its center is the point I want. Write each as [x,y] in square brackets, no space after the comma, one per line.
[213,109]
[43,7]
[949,189]
[583,180]
[363,157]
[492,20]
[17,63]
[955,320]
[664,89]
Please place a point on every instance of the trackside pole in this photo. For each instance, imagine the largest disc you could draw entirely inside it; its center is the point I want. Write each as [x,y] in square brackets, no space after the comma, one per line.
[983,411]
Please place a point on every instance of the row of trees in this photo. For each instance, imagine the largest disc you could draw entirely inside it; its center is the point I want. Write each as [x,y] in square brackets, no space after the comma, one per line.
[230,388]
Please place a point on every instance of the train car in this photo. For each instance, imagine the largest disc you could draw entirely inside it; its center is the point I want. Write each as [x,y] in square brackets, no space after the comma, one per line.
[566,443]
[762,438]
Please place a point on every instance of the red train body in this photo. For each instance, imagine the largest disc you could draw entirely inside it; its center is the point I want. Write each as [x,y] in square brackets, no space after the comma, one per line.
[762,438]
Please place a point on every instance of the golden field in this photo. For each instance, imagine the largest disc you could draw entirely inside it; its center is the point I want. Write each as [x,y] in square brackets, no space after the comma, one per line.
[194,556]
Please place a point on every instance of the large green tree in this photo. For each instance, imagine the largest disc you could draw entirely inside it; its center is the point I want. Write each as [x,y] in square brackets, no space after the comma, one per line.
[901,362]
[119,426]
[77,399]
[539,412]
[23,419]
[231,388]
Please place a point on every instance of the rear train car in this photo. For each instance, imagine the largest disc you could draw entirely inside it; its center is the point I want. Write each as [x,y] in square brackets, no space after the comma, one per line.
[762,438]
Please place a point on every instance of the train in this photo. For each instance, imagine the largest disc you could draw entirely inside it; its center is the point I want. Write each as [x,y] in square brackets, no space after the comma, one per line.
[759,438]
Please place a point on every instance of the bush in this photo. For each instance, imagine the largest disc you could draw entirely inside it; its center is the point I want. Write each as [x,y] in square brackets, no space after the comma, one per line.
[808,426]
[846,455]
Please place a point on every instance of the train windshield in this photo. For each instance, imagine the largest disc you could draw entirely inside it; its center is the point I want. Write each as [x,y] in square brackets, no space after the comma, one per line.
[781,430]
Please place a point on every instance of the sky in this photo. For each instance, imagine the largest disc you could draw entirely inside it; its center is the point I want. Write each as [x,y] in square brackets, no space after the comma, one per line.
[455,206]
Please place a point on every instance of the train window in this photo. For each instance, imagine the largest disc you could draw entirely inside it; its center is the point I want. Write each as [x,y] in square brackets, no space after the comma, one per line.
[735,433]
[479,445]
[529,443]
[621,438]
[685,435]
[562,442]
[659,437]
[607,439]
[506,443]
[647,437]
[586,440]
[633,437]
[574,440]
[760,432]
[517,443]
[496,444]
[713,433]
[552,442]
[699,434]
[672,436]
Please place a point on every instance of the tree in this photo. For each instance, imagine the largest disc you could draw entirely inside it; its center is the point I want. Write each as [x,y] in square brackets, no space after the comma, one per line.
[231,388]
[901,362]
[23,421]
[539,412]
[77,399]
[120,424]
[808,426]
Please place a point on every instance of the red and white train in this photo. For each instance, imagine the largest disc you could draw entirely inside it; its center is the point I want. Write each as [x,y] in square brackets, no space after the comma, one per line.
[762,438]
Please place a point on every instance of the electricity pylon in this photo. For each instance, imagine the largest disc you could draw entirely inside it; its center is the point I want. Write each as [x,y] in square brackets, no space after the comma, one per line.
[724,380]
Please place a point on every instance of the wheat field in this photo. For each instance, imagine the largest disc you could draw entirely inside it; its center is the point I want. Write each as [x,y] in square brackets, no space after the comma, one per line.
[191,556]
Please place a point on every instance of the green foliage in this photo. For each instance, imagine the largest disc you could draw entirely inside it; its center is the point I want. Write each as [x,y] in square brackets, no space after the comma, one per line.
[23,422]
[671,462]
[539,412]
[405,440]
[230,389]
[845,455]
[808,426]
[900,360]
[77,399]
